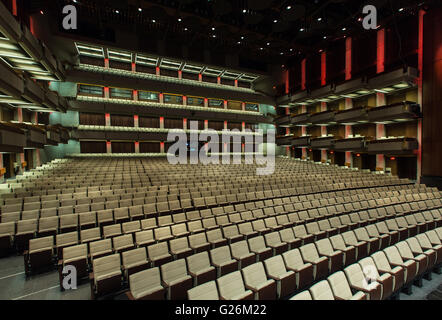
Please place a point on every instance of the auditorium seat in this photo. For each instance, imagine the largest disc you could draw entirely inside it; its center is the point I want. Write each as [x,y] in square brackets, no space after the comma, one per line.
[144,238]
[322,291]
[149,223]
[374,243]
[384,239]
[77,257]
[350,239]
[159,254]
[335,258]
[358,281]
[321,265]
[260,227]
[101,248]
[231,233]
[65,240]
[39,255]
[179,248]
[417,250]
[131,227]
[324,225]
[258,247]
[146,285]
[231,287]
[87,220]
[200,268]
[106,276]
[222,260]
[255,279]
[7,232]
[393,226]
[121,215]
[302,296]
[246,229]
[421,260]
[395,260]
[301,233]
[206,291]
[215,238]
[163,234]
[47,226]
[431,241]
[241,253]
[26,230]
[89,235]
[341,288]
[286,280]
[198,242]
[175,279]
[387,280]
[304,271]
[134,261]
[273,240]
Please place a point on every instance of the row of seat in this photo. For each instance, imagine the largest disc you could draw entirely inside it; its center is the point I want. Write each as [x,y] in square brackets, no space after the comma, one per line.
[383,273]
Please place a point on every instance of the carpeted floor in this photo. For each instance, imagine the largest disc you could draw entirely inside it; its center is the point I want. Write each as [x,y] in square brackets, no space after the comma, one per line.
[436,294]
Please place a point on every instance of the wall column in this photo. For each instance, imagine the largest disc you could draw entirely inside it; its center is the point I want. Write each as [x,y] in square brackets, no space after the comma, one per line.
[348,132]
[380,133]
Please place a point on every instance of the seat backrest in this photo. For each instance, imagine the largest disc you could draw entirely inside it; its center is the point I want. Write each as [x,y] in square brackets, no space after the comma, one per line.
[393,255]
[339,285]
[199,261]
[240,249]
[322,291]
[231,285]
[90,234]
[7,228]
[324,246]
[134,256]
[66,238]
[369,267]
[431,237]
[293,259]
[256,243]
[104,265]
[220,255]
[404,250]
[197,239]
[254,275]
[145,280]
[178,244]
[275,266]
[309,252]
[381,261]
[100,246]
[157,250]
[272,238]
[206,291]
[41,243]
[75,252]
[304,295]
[173,270]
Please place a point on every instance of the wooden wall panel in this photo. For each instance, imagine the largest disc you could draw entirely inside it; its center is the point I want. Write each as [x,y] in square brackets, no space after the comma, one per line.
[92,119]
[93,146]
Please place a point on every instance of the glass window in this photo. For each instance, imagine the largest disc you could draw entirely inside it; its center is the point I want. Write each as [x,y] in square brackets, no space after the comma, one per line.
[193,101]
[252,107]
[213,103]
[121,93]
[145,95]
[168,98]
[90,90]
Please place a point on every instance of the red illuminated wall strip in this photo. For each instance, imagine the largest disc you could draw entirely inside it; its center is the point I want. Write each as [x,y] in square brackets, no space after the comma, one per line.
[14,7]
[287,82]
[31,25]
[323,68]
[348,57]
[303,79]
[381,51]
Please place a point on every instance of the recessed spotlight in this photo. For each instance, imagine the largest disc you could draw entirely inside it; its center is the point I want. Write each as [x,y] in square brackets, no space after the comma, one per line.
[41,12]
[343,29]
[116,11]
[268,43]
[185,29]
[139,9]
[179,20]
[289,7]
[244,11]
[325,37]
[261,48]
[154,21]
[275,21]
[302,29]
[213,28]
[319,19]
[291,50]
[239,42]
[401,9]
[214,36]
[242,38]
[281,53]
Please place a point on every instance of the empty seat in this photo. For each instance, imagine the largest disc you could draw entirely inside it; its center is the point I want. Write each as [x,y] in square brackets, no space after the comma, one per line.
[320,264]
[246,229]
[302,296]
[7,232]
[374,244]
[341,288]
[255,279]
[384,239]
[112,230]
[335,257]
[206,291]
[48,226]
[231,233]
[273,240]
[258,247]
[322,291]
[180,248]
[89,235]
[285,279]
[373,273]
[421,260]
[240,251]
[198,242]
[231,287]
[163,234]
[175,279]
[65,240]
[134,261]
[216,238]
[123,243]
[301,233]
[179,230]
[313,228]
[101,248]
[361,246]
[107,274]
[121,215]
[430,241]
[304,271]
[159,254]
[131,227]
[144,238]
[146,285]
[74,256]
[200,268]
[358,281]
[221,259]
[409,266]
[150,223]
[87,220]
[39,255]
[26,230]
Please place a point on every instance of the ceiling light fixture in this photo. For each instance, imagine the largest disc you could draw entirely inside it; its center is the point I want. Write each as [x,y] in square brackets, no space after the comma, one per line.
[179,20]
[139,9]
[244,11]
[319,19]
[302,29]
[289,7]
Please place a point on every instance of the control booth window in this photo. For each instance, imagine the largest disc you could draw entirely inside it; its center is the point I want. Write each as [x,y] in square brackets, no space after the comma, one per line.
[88,90]
[120,93]
[195,101]
[215,103]
[173,99]
[148,96]
[252,107]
